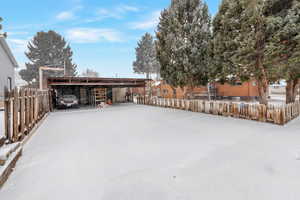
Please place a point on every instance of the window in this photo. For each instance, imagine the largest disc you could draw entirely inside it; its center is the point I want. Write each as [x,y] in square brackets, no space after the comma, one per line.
[237,84]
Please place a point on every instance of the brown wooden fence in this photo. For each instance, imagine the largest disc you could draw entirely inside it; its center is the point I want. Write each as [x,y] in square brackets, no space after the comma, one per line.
[277,114]
[24,108]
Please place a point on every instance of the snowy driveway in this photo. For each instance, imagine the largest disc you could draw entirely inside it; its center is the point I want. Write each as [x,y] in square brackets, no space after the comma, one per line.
[136,152]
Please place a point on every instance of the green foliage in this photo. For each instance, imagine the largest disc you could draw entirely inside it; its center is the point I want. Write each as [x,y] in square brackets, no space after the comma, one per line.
[224,44]
[182,39]
[256,39]
[4,34]
[90,73]
[146,62]
[1,24]
[284,47]
[48,48]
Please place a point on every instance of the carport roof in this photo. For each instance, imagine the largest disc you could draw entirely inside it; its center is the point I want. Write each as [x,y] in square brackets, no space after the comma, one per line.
[89,81]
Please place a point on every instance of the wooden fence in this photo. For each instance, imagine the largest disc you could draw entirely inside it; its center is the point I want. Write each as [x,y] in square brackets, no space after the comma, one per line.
[24,108]
[277,114]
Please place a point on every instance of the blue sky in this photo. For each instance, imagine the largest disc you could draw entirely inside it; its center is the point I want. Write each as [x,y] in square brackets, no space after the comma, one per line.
[102,33]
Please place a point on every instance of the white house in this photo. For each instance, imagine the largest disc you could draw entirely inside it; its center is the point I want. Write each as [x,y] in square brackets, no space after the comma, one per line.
[7,67]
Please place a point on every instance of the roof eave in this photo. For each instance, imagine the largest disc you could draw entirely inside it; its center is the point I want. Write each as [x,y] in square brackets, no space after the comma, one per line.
[7,50]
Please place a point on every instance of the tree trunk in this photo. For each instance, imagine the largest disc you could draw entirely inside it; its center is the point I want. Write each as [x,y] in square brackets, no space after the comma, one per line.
[208,91]
[296,89]
[174,92]
[263,92]
[186,92]
[260,43]
[150,88]
[291,91]
[263,83]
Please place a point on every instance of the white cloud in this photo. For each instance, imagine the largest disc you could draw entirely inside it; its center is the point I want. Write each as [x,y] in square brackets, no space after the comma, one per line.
[68,14]
[149,23]
[127,8]
[65,15]
[103,13]
[14,33]
[93,35]
[117,12]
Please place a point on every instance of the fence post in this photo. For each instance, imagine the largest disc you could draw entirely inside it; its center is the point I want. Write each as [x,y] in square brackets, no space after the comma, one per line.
[36,106]
[31,107]
[22,112]
[15,115]
[7,115]
[27,110]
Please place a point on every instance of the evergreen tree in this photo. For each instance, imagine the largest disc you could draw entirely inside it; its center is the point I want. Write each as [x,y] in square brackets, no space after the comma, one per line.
[253,37]
[146,62]
[283,50]
[90,73]
[240,43]
[0,23]
[4,34]
[224,44]
[182,39]
[70,67]
[48,49]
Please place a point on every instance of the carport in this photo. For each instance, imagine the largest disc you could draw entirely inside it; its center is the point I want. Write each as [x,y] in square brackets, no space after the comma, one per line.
[92,91]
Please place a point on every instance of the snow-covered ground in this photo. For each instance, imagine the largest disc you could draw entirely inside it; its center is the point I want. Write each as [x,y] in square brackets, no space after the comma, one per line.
[1,123]
[136,152]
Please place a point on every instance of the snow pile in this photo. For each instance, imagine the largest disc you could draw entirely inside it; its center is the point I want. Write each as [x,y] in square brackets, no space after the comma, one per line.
[7,150]
[7,165]
[136,152]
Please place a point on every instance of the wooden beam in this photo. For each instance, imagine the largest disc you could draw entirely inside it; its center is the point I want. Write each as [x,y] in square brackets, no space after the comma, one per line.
[97,84]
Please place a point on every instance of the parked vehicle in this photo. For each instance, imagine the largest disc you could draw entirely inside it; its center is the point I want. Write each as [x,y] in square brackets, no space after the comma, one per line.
[68,101]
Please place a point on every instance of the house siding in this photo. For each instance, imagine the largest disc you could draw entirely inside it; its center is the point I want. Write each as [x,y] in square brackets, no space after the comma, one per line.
[246,89]
[7,69]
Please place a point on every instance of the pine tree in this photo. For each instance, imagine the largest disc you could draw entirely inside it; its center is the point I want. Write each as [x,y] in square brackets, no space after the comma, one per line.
[146,62]
[251,53]
[239,44]
[283,50]
[183,35]
[4,34]
[90,73]
[70,67]
[48,49]
[224,43]
[0,23]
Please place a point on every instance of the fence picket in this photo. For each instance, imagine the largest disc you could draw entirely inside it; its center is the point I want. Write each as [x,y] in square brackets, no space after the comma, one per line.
[274,114]
[23,109]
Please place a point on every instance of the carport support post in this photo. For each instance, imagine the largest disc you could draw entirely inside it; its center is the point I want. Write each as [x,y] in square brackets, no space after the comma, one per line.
[50,100]
[41,77]
[144,94]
